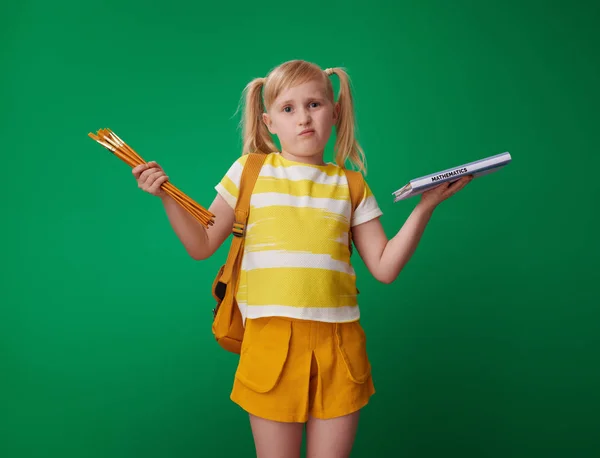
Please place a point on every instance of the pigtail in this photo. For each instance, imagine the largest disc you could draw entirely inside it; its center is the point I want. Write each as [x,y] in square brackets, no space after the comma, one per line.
[346,146]
[255,135]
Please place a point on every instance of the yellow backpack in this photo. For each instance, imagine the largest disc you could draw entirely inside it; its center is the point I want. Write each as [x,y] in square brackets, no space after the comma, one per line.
[227,326]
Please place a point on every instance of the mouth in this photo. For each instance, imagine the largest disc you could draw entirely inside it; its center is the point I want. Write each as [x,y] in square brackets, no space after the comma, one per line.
[307,132]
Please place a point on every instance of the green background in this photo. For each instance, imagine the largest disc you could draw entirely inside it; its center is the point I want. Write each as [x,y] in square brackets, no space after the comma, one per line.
[488,343]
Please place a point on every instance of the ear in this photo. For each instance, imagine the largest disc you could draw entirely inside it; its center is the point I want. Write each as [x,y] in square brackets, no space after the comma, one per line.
[268,122]
[336,112]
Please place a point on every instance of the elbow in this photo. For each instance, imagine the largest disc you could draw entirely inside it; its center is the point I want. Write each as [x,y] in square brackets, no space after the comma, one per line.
[198,255]
[385,278]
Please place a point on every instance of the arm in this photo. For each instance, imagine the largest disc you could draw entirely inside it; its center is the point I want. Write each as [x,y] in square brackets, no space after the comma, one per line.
[200,243]
[386,258]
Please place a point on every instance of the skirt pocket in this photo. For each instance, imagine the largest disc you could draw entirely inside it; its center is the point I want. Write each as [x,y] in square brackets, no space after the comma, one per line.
[264,352]
[352,346]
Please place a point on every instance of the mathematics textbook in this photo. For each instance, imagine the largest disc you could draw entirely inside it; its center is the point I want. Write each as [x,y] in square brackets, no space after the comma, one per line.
[477,169]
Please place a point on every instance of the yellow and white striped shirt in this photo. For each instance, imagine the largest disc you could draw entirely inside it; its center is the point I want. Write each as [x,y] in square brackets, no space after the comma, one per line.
[296,259]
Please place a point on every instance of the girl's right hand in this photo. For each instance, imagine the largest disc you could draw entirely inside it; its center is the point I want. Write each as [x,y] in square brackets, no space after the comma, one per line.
[150,177]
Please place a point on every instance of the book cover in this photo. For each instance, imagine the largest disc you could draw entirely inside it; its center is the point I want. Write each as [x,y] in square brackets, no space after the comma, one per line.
[477,168]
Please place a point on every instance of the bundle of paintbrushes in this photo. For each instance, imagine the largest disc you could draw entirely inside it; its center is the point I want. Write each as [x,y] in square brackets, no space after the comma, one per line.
[113,143]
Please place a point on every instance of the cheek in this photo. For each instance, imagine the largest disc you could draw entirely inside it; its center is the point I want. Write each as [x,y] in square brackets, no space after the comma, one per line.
[326,119]
[287,130]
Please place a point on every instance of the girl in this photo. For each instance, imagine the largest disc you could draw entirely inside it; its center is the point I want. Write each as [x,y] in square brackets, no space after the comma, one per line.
[303,359]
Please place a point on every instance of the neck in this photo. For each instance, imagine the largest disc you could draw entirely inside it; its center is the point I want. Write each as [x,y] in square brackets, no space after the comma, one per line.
[315,159]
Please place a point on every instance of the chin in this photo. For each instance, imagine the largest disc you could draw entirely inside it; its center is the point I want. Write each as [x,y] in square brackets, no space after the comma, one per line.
[307,154]
[305,151]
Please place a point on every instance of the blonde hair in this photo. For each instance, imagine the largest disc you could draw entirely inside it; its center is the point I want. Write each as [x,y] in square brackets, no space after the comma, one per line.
[257,138]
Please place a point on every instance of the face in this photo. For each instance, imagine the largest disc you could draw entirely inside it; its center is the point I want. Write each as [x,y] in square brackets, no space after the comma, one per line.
[302,118]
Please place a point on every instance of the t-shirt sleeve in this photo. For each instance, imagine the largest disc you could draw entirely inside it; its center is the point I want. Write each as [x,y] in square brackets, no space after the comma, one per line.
[228,187]
[367,209]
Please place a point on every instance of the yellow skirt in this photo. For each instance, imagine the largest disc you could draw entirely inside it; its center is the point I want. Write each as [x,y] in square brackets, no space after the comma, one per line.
[291,369]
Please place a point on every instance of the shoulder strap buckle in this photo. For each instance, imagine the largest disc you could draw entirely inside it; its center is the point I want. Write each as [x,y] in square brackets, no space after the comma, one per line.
[238,229]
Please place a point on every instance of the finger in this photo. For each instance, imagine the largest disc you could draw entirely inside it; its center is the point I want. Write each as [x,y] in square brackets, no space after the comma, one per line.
[142,176]
[145,174]
[154,164]
[154,176]
[443,188]
[440,187]
[158,183]
[459,185]
[143,179]
[139,169]
[466,180]
[149,183]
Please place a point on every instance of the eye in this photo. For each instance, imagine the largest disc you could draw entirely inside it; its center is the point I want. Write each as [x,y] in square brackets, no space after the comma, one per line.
[315,104]
[287,109]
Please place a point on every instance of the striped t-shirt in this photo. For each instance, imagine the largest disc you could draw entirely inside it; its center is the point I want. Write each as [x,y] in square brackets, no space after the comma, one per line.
[296,258]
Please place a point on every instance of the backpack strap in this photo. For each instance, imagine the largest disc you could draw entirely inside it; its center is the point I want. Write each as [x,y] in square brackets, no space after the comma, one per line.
[250,173]
[356,185]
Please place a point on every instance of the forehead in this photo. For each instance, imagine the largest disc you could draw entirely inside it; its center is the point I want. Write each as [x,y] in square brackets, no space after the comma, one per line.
[301,92]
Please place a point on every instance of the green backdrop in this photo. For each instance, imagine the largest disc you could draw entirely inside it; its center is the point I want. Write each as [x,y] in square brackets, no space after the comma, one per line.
[488,343]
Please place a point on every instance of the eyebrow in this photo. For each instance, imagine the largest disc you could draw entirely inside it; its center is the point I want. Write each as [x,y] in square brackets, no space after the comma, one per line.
[285,102]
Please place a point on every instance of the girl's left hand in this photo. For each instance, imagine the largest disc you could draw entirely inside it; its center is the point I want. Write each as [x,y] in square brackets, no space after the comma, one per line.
[434,196]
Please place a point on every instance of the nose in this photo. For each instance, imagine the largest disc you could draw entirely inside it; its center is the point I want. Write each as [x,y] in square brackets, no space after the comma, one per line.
[304,117]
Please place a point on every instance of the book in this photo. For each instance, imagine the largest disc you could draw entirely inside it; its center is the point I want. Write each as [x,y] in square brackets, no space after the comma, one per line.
[478,168]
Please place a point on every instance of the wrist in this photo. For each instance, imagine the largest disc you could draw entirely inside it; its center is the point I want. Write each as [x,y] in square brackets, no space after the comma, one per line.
[165,198]
[425,207]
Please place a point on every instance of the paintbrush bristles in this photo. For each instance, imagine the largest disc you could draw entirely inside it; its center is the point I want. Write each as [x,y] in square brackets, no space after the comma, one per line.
[123,151]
